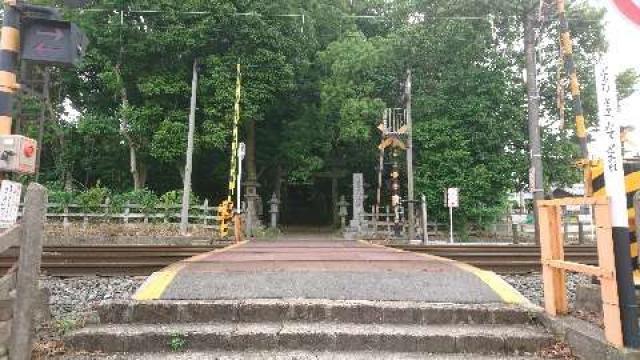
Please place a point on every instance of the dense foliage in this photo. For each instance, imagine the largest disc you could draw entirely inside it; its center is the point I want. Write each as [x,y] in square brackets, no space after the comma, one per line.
[316,76]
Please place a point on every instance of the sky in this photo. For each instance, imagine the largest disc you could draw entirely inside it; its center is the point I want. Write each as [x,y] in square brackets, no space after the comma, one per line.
[624,52]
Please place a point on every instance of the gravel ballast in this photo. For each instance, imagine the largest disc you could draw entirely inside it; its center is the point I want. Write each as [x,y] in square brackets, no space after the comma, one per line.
[70,298]
[530,285]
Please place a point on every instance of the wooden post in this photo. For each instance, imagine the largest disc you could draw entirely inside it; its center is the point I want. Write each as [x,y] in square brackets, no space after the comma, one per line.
[205,211]
[28,272]
[386,209]
[65,218]
[514,231]
[608,282]
[555,294]
[237,231]
[126,212]
[85,218]
[166,213]
[107,209]
[580,232]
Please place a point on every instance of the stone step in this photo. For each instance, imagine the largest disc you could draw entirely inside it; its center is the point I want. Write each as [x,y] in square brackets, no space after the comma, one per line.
[143,338]
[359,312]
[296,355]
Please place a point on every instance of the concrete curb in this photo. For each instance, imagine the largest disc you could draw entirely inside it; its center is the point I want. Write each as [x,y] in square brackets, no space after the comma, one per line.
[586,339]
[357,312]
[477,339]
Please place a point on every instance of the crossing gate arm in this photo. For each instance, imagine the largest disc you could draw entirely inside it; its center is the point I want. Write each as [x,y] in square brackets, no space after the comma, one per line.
[554,265]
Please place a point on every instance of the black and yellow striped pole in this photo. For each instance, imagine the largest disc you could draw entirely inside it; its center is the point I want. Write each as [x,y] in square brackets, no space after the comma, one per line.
[632,187]
[9,50]
[570,68]
[225,210]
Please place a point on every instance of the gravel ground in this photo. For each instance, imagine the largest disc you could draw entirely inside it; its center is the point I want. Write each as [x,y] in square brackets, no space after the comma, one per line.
[72,297]
[530,285]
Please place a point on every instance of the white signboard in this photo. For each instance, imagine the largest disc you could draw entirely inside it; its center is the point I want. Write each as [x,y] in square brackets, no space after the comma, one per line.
[519,219]
[9,202]
[452,197]
[612,146]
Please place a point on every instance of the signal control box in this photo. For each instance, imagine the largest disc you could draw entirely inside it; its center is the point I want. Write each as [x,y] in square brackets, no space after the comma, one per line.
[18,154]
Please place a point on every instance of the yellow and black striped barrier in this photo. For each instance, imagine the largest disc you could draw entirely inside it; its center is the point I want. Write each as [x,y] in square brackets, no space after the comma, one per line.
[632,185]
[566,46]
[9,50]
[227,205]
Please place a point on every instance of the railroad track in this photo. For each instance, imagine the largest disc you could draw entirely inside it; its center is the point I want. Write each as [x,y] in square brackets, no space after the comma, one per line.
[143,260]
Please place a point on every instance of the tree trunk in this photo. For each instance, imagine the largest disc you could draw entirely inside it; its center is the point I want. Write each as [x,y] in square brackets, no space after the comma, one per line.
[133,154]
[134,166]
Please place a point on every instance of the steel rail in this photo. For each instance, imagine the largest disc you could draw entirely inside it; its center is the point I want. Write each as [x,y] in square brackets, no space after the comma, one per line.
[143,260]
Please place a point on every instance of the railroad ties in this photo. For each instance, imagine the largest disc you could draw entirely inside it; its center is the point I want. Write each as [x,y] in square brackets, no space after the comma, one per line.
[316,300]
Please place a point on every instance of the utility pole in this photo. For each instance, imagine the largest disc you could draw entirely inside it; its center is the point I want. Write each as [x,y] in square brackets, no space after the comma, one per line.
[43,119]
[535,145]
[410,195]
[184,214]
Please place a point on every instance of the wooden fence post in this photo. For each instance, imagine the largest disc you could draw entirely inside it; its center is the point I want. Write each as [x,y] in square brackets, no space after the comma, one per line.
[85,218]
[205,211]
[551,247]
[386,209]
[107,209]
[126,212]
[145,212]
[28,272]
[166,213]
[65,219]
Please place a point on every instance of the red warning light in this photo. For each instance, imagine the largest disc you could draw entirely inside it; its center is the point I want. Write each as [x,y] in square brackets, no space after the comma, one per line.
[29,150]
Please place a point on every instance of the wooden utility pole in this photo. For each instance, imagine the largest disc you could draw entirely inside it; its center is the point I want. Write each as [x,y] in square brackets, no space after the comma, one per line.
[184,214]
[535,144]
[410,195]
[43,118]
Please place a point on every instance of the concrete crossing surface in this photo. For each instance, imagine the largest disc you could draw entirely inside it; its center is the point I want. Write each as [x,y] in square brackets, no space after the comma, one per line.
[338,270]
[316,300]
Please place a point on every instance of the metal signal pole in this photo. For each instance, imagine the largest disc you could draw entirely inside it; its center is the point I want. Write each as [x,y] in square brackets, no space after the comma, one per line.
[184,214]
[410,195]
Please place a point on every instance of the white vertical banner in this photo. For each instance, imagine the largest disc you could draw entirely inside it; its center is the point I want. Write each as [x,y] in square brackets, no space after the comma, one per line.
[611,147]
[9,202]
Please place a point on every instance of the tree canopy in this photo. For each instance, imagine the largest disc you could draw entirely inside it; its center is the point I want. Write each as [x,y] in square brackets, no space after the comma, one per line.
[316,76]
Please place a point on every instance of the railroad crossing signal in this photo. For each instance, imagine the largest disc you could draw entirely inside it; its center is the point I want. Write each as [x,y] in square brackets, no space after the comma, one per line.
[225,214]
[54,42]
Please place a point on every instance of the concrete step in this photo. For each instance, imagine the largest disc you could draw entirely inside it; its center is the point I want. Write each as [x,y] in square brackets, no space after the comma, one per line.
[296,355]
[321,336]
[359,312]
